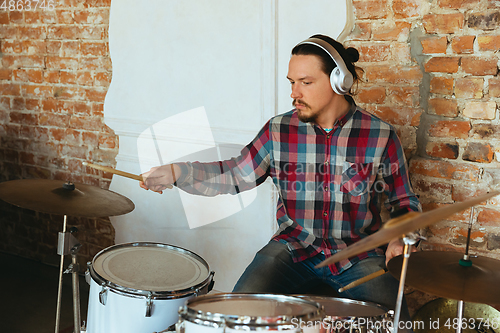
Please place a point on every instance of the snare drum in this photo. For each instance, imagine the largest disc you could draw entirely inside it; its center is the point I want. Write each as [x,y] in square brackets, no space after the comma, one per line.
[139,287]
[224,313]
[346,315]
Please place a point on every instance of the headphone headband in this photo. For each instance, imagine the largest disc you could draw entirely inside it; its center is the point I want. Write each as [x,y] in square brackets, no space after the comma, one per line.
[341,78]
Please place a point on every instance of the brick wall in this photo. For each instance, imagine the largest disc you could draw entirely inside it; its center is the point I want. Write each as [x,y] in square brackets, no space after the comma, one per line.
[430,69]
[55,71]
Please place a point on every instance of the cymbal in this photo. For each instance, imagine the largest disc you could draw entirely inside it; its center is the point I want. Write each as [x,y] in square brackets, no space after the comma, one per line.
[49,196]
[403,225]
[441,274]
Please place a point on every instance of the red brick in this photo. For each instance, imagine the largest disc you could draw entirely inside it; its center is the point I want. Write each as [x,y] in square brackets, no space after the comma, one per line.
[53,47]
[480,110]
[86,123]
[95,63]
[94,16]
[486,131]
[484,20]
[64,16]
[391,31]
[488,218]
[372,95]
[463,44]
[489,43]
[442,64]
[29,61]
[393,74]
[67,77]
[494,87]
[443,23]
[454,4]
[51,119]
[441,85]
[37,90]
[28,75]
[478,152]
[361,31]
[466,191]
[95,95]
[32,33]
[442,150]
[397,115]
[401,53]
[16,17]
[97,3]
[10,89]
[102,79]
[444,169]
[82,109]
[469,88]
[432,192]
[90,139]
[85,79]
[51,76]
[73,137]
[57,134]
[94,48]
[4,17]
[23,118]
[5,74]
[450,128]
[61,63]
[56,106]
[40,17]
[432,45]
[374,52]
[405,96]
[107,141]
[406,8]
[443,107]
[69,92]
[371,9]
[480,65]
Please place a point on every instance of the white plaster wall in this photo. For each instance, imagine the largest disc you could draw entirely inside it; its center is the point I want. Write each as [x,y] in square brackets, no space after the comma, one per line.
[226,60]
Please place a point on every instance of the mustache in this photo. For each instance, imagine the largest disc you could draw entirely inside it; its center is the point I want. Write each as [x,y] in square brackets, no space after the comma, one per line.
[299,101]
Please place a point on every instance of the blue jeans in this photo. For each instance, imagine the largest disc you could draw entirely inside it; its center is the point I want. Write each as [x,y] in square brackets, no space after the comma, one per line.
[273,271]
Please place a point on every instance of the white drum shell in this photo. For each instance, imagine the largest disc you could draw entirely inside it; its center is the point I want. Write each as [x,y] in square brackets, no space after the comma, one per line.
[126,314]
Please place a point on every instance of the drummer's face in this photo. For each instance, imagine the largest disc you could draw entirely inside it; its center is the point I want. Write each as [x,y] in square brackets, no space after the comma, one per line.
[311,90]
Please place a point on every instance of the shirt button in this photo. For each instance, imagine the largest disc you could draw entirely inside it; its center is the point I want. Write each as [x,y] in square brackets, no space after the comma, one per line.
[325,214]
[326,163]
[326,188]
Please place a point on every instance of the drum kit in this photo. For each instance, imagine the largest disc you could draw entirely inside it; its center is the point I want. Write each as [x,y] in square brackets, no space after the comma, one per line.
[153,287]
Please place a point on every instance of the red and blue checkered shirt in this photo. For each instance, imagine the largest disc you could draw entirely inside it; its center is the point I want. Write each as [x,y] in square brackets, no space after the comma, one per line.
[329,183]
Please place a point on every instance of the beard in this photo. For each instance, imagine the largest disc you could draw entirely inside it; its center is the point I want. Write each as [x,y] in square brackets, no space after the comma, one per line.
[311,118]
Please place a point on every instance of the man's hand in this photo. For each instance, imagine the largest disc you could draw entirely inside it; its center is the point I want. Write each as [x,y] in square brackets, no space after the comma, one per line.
[395,248]
[160,178]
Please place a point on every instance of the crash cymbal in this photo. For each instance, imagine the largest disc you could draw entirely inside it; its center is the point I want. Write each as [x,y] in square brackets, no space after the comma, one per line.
[54,197]
[442,274]
[401,226]
[437,317]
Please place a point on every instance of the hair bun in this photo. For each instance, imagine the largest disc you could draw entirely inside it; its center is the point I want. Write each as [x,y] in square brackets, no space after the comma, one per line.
[352,53]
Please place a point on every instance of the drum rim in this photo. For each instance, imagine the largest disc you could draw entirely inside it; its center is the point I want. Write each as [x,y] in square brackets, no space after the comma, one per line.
[115,287]
[345,300]
[214,319]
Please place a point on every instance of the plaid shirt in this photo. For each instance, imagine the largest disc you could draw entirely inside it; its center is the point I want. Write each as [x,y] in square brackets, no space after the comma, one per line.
[328,183]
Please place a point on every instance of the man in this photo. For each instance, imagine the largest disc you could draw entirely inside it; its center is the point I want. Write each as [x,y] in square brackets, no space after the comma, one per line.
[329,160]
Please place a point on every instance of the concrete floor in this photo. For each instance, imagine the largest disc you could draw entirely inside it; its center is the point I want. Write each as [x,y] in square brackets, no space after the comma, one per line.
[29,297]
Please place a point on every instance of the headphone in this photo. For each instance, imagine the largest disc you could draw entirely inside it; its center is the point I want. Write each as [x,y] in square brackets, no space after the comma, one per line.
[340,78]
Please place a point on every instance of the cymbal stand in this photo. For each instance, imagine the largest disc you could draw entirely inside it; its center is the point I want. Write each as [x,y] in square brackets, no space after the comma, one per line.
[466,262]
[409,241]
[68,244]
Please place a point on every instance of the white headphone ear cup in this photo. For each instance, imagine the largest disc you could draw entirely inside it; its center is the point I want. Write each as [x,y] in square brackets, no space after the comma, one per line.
[336,81]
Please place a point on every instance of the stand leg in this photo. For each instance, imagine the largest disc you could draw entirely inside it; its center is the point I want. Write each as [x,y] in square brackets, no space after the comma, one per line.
[59,290]
[460,315]
[76,293]
[409,241]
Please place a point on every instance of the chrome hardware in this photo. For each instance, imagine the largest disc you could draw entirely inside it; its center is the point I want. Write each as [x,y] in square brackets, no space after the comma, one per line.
[103,295]
[149,305]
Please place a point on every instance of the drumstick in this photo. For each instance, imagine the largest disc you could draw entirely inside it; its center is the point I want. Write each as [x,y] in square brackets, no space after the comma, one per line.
[117,172]
[363,280]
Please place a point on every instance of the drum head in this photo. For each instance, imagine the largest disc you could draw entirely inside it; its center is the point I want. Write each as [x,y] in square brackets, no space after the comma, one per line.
[150,266]
[257,309]
[343,308]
